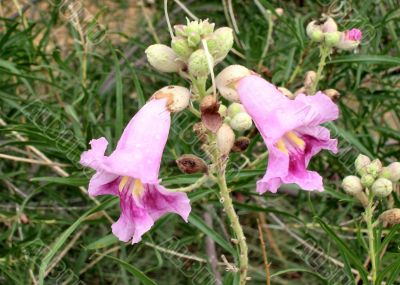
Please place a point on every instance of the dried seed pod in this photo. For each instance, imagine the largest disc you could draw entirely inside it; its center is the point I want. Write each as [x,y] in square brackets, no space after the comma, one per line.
[209,104]
[201,131]
[332,93]
[190,163]
[391,216]
[241,144]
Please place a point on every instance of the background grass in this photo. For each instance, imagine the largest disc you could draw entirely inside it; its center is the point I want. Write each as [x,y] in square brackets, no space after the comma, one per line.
[50,108]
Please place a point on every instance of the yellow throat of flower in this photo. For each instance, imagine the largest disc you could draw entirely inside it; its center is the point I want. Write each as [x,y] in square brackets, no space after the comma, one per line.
[136,187]
[292,139]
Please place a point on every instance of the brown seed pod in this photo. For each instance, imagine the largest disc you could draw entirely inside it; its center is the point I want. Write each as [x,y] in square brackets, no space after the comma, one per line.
[201,131]
[391,216]
[332,93]
[209,104]
[241,144]
[190,163]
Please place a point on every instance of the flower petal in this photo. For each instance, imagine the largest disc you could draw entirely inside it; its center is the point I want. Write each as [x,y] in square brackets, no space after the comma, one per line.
[159,201]
[134,220]
[140,148]
[103,183]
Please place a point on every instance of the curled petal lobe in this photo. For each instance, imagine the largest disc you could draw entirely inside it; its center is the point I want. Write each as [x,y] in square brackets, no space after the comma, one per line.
[142,206]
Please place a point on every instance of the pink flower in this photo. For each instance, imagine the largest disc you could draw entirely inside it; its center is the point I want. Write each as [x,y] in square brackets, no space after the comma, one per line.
[131,172]
[353,35]
[291,130]
[349,39]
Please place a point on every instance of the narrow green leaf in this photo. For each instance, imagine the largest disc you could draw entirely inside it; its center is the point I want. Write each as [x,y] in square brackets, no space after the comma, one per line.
[135,271]
[198,223]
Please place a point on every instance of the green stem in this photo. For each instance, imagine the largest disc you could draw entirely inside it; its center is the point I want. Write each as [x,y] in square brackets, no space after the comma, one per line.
[236,227]
[325,51]
[368,216]
[193,186]
[268,15]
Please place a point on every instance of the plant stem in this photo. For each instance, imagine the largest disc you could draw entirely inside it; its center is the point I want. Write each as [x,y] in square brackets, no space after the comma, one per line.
[325,51]
[268,16]
[368,216]
[233,218]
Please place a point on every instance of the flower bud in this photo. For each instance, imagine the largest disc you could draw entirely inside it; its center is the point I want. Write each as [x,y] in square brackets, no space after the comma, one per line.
[394,170]
[206,28]
[198,64]
[279,11]
[385,173]
[361,163]
[193,39]
[329,26]
[314,32]
[180,30]
[163,58]
[352,185]
[234,109]
[367,180]
[286,92]
[177,97]
[181,47]
[349,40]
[241,122]
[391,216]
[241,144]
[223,110]
[332,38]
[225,139]
[189,163]
[224,40]
[309,78]
[374,168]
[227,78]
[382,187]
[332,93]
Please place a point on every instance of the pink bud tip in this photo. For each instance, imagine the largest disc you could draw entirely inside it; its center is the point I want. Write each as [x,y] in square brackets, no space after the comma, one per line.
[354,35]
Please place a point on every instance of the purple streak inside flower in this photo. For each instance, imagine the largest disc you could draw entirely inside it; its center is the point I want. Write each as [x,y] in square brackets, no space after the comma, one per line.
[354,35]
[291,131]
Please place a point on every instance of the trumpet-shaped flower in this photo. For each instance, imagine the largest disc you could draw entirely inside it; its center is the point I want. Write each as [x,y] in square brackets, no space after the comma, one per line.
[131,172]
[291,131]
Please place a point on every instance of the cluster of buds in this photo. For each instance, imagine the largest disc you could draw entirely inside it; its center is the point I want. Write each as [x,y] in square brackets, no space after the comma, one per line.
[188,51]
[373,176]
[325,30]
[236,116]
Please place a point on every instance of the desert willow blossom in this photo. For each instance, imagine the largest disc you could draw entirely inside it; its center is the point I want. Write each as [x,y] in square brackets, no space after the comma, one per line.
[131,171]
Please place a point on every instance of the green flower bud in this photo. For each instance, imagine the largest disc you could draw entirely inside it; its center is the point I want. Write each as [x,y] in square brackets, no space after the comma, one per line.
[332,38]
[180,30]
[385,173]
[223,110]
[193,40]
[361,163]
[374,168]
[163,58]
[394,169]
[234,109]
[241,122]
[352,185]
[367,180]
[198,65]
[382,187]
[314,32]
[181,47]
[224,40]
[206,28]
